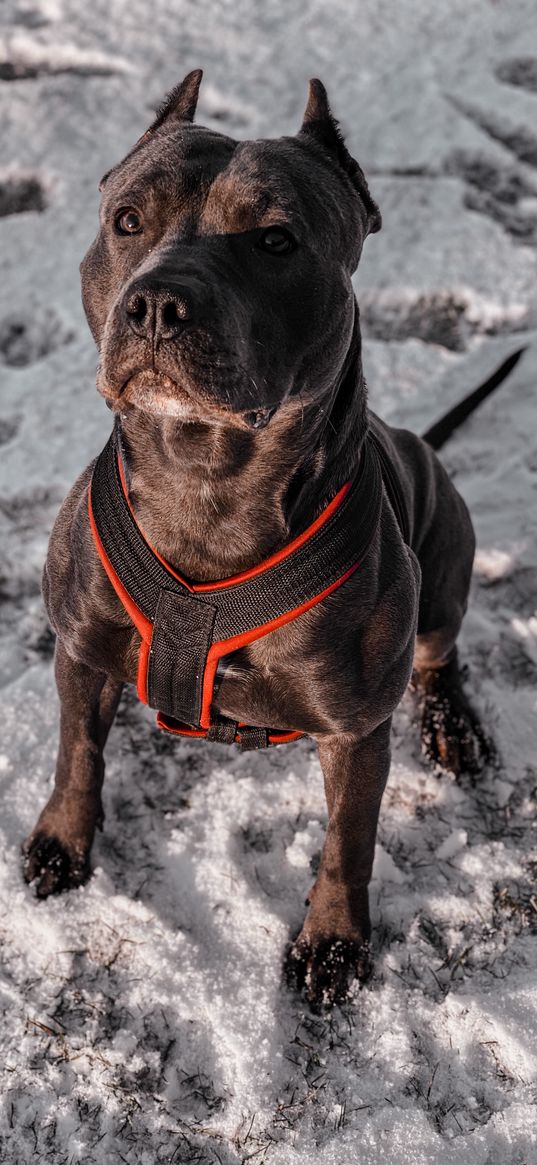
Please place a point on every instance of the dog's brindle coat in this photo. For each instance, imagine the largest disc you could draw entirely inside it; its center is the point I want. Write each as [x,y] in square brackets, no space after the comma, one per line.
[219,293]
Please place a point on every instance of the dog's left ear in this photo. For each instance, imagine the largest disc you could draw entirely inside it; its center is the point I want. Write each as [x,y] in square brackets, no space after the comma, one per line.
[320,124]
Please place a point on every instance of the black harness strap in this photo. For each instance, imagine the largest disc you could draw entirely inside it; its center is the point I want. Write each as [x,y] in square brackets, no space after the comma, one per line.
[222,730]
[253,737]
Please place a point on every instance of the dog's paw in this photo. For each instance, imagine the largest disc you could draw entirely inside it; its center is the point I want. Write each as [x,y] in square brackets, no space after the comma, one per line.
[51,866]
[324,969]
[451,734]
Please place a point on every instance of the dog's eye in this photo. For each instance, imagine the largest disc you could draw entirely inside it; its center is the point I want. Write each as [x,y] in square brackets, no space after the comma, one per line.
[128,222]
[276,241]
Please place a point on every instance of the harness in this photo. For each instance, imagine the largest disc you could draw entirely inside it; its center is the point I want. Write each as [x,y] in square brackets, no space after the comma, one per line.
[188,629]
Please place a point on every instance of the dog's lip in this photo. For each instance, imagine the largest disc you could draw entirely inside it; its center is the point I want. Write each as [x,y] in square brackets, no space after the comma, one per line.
[149,378]
[137,377]
[253,419]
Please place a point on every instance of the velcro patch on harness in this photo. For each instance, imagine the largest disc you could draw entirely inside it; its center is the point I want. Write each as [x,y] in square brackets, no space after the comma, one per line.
[182,635]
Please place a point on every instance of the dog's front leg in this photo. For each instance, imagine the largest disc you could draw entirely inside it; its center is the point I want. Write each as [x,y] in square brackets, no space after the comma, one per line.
[56,854]
[333,945]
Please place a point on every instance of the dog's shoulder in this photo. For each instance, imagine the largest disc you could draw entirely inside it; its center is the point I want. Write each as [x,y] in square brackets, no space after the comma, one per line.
[68,541]
[424,486]
[81,604]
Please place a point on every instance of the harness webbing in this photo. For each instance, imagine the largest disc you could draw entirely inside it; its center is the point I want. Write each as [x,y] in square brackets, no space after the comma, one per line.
[186,628]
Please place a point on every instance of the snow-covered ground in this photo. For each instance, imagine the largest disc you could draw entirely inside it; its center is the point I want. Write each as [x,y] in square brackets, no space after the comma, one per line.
[143,1017]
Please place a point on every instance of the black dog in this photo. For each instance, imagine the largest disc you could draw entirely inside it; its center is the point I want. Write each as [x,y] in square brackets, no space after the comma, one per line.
[219,293]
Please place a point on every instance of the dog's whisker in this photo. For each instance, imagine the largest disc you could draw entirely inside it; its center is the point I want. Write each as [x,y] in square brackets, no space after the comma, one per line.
[302,410]
[328,419]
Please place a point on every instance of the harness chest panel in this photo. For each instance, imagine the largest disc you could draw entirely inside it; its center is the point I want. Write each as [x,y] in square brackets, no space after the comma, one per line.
[187,628]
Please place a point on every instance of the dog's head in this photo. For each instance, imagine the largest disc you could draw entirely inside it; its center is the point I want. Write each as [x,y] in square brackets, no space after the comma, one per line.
[219,285]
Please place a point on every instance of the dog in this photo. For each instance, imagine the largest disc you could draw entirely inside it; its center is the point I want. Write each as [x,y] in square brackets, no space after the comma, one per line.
[219,294]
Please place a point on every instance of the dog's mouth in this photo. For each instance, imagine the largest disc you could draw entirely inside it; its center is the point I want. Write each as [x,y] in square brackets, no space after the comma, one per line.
[155,392]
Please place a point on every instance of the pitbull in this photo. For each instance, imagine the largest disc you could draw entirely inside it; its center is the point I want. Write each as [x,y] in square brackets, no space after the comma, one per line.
[219,294]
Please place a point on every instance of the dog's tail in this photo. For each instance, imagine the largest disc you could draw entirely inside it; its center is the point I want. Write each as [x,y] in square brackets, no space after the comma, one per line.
[440,432]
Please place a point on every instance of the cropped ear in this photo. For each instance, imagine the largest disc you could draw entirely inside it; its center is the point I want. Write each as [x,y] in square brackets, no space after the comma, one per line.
[320,125]
[179,105]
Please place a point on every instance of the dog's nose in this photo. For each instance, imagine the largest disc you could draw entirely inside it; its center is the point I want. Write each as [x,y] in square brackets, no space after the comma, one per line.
[158,314]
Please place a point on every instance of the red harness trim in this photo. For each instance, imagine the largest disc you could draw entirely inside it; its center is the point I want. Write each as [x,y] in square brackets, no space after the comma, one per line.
[217,650]
[141,622]
[224,646]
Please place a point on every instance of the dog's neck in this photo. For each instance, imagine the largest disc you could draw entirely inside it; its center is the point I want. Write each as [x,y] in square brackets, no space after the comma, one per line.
[214,499]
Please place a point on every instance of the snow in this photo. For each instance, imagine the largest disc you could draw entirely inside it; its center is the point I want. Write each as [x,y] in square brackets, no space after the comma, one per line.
[144,1016]
[452,844]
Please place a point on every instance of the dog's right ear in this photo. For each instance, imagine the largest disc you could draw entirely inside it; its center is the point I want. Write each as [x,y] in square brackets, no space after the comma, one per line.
[320,124]
[179,105]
